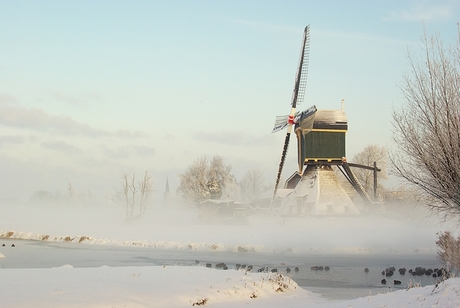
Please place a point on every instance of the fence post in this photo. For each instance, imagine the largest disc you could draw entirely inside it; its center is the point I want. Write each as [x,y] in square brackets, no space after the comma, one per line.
[375,181]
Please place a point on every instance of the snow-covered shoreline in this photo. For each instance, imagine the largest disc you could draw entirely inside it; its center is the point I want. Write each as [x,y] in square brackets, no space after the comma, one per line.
[205,246]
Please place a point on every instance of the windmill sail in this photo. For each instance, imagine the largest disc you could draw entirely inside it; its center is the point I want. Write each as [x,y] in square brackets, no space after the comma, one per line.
[281,122]
[297,97]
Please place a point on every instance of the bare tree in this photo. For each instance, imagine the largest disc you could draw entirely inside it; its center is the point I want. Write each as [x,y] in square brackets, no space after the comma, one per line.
[370,154]
[134,196]
[72,192]
[205,179]
[426,128]
[252,184]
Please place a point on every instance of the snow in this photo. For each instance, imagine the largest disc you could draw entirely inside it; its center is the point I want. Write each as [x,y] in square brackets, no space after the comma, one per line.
[177,228]
[178,286]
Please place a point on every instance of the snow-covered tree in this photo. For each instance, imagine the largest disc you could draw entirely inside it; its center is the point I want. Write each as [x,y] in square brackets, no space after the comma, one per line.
[449,250]
[205,179]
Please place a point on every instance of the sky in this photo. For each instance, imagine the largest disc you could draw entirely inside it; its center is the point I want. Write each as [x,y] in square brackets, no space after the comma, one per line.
[90,90]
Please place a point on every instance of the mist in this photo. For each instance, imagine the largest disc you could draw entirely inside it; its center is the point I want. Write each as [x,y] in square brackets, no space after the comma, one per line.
[401,228]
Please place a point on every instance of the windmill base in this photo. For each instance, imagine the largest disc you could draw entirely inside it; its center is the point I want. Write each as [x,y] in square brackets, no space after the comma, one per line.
[318,193]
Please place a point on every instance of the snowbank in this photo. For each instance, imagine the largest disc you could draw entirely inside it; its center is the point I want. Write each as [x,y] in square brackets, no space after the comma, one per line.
[178,286]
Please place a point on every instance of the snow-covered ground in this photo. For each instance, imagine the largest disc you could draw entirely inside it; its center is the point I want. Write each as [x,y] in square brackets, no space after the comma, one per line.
[177,228]
[177,286]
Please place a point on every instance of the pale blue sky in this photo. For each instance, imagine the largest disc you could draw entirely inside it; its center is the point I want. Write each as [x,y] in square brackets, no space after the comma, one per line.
[92,89]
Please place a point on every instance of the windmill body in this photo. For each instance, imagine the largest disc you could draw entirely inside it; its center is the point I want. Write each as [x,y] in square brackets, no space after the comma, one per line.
[324,141]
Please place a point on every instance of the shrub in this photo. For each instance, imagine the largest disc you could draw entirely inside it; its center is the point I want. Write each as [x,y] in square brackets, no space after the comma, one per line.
[413,284]
[201,302]
[448,250]
[83,238]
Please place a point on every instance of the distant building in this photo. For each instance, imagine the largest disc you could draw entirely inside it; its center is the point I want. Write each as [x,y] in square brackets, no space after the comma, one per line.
[167,194]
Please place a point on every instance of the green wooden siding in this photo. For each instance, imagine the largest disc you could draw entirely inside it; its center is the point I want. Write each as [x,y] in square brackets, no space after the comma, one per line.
[323,145]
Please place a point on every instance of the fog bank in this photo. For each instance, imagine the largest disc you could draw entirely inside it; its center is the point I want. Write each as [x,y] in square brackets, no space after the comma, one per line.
[401,231]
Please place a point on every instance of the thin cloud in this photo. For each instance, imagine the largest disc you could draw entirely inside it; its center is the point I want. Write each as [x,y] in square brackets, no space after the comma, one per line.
[61,146]
[7,98]
[127,152]
[277,28]
[39,120]
[122,153]
[169,137]
[79,99]
[12,139]
[360,37]
[318,32]
[427,11]
[143,150]
[127,134]
[233,138]
[65,98]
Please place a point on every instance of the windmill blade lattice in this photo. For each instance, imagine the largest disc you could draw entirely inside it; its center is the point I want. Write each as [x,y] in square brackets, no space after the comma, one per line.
[297,97]
[303,69]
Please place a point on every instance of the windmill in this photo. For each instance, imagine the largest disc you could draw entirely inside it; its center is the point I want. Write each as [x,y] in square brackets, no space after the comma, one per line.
[320,145]
[299,118]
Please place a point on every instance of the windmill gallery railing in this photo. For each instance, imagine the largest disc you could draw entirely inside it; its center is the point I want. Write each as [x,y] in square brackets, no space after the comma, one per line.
[344,167]
[374,168]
